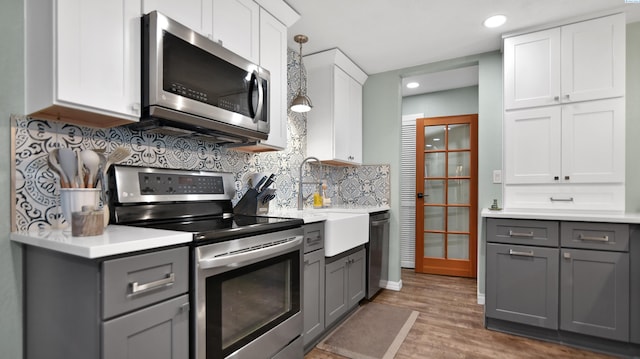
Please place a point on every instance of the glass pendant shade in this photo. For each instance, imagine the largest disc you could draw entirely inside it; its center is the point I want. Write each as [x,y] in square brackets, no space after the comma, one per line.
[301,103]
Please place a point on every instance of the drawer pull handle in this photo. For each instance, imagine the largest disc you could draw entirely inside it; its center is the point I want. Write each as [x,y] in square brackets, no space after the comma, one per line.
[518,253]
[139,288]
[520,234]
[582,237]
[570,199]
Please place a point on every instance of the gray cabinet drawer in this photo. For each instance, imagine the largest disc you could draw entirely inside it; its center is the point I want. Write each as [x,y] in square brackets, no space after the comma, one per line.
[313,236]
[600,236]
[133,282]
[526,232]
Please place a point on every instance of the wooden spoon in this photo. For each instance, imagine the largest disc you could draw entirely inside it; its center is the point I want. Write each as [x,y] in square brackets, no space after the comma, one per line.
[54,164]
[69,165]
[91,162]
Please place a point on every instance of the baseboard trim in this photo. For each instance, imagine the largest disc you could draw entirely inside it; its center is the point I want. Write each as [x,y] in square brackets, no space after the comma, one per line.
[397,286]
[480,298]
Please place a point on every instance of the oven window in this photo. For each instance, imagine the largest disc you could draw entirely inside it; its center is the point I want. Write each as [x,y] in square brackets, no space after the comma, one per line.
[247,302]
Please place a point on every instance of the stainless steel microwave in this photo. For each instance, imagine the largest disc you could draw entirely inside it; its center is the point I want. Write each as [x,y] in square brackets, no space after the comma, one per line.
[192,86]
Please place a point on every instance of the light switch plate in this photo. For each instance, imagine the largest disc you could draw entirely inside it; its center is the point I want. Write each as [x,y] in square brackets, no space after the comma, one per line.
[497,176]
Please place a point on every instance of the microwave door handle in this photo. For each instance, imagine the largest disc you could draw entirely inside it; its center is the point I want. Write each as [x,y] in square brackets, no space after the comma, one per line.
[256,81]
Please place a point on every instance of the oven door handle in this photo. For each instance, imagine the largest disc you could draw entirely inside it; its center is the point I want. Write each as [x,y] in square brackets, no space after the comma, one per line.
[261,253]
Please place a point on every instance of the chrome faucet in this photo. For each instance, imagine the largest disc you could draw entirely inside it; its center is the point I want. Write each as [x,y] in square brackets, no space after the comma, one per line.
[301,198]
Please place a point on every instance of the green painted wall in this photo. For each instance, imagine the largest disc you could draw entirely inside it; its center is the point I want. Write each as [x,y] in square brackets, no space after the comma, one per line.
[11,101]
[460,101]
[382,119]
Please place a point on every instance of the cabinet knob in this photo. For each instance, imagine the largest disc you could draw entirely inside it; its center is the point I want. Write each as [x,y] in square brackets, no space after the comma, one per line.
[566,178]
[556,98]
[567,96]
[556,178]
[566,255]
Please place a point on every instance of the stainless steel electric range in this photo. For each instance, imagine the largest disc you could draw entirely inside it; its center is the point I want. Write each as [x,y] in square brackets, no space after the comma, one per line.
[246,271]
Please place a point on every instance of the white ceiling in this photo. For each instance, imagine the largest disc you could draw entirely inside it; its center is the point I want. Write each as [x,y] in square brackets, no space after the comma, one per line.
[385,35]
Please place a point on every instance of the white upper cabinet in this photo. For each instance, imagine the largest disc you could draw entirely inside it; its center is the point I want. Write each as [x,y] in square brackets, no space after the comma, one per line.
[273,57]
[564,119]
[576,62]
[236,26]
[194,14]
[593,138]
[87,70]
[532,144]
[575,143]
[232,23]
[334,124]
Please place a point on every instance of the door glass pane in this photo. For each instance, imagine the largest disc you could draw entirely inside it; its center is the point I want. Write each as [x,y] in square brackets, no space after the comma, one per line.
[434,245]
[434,164]
[434,137]
[434,218]
[458,219]
[459,163]
[458,246]
[459,191]
[459,136]
[434,191]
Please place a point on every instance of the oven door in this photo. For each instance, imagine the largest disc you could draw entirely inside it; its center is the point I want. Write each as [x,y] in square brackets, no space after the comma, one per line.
[248,300]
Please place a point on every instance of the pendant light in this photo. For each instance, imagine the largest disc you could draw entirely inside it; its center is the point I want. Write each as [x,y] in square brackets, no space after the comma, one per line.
[301,103]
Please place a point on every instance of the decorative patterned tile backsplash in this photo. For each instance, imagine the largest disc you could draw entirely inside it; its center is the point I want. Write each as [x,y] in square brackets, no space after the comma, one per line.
[36,186]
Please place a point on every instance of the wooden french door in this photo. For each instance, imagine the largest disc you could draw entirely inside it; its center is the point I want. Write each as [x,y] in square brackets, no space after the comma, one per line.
[447,195]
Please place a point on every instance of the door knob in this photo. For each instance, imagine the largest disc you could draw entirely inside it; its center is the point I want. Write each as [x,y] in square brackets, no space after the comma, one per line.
[420,195]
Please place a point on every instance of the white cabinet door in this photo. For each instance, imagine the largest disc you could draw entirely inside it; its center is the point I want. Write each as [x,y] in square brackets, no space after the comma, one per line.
[341,113]
[593,61]
[593,141]
[577,143]
[335,136]
[532,69]
[577,62]
[273,57]
[194,14]
[236,25]
[355,122]
[98,57]
[532,143]
[334,125]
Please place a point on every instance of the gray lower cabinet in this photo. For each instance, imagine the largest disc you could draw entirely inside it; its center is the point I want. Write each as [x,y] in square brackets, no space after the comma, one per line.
[313,308]
[522,284]
[594,292]
[130,307]
[157,332]
[345,279]
[577,278]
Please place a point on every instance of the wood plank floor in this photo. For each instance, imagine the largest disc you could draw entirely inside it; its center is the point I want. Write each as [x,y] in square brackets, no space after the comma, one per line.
[450,324]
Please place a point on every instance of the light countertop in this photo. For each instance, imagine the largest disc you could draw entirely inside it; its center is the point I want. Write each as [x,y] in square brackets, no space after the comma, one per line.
[610,217]
[115,240]
[311,215]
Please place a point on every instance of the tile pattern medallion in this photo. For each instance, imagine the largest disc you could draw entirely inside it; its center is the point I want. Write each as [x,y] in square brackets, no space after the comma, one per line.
[36,188]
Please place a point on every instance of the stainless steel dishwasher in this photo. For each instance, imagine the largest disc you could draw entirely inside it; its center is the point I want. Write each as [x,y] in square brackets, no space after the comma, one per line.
[377,252]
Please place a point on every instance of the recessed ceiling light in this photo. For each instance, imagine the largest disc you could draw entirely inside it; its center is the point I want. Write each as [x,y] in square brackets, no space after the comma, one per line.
[495,21]
[412,85]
